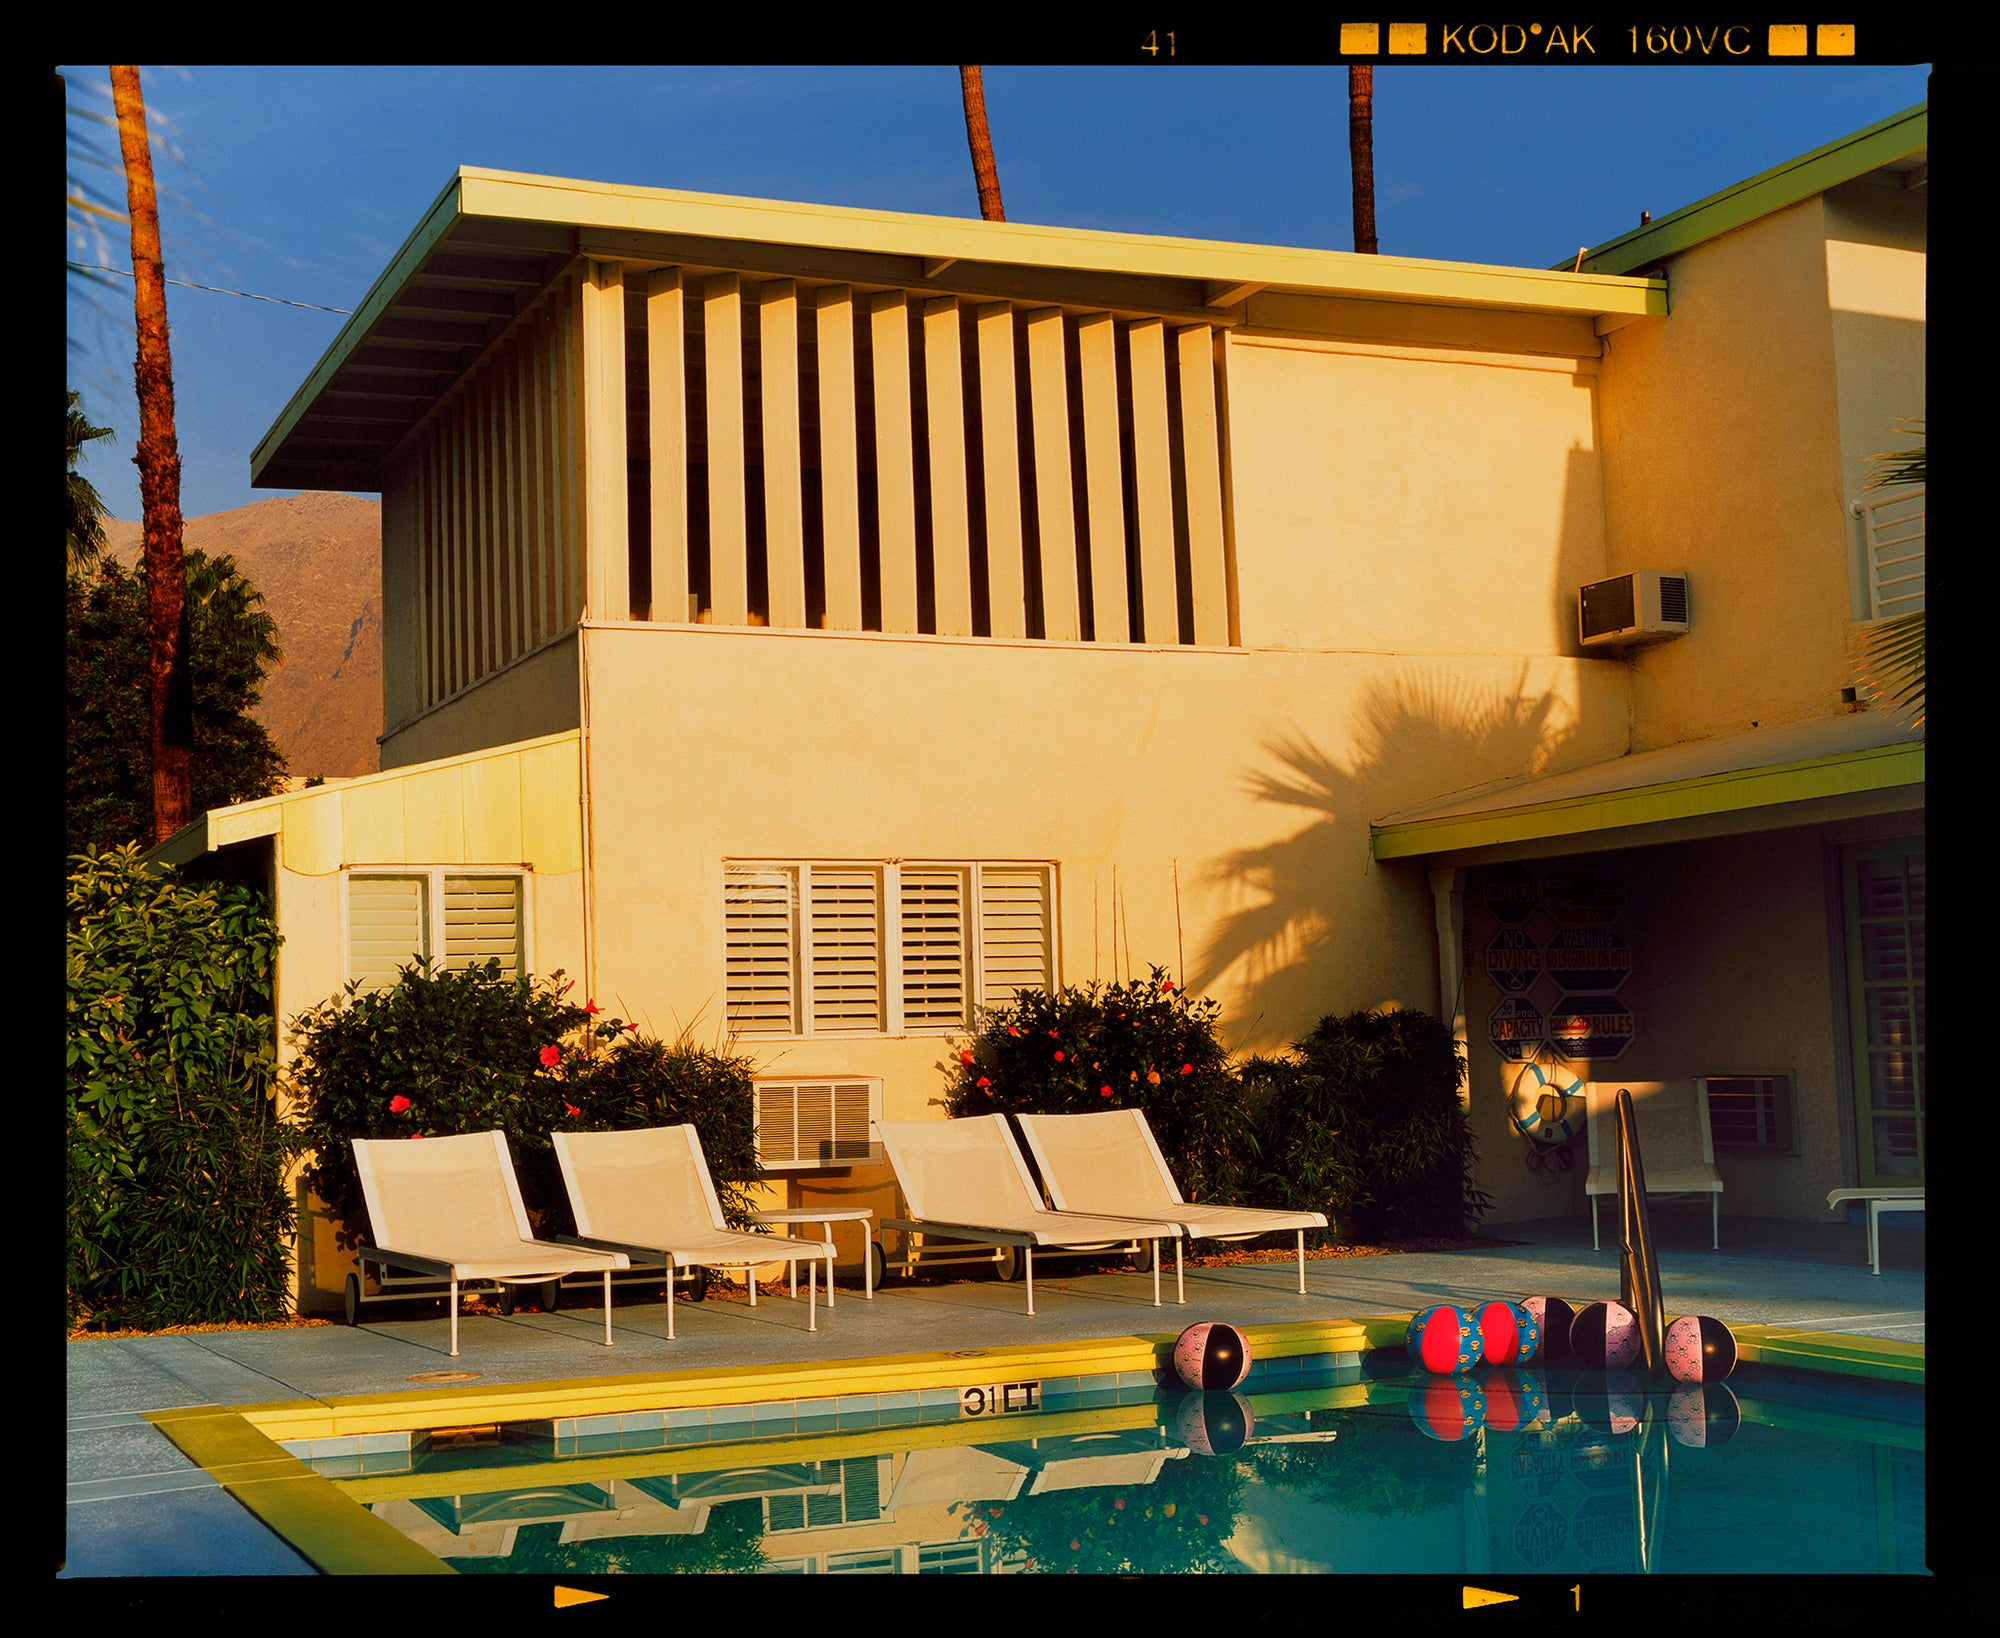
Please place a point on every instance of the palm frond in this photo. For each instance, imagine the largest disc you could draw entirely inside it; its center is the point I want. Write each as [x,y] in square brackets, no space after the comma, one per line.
[1889,664]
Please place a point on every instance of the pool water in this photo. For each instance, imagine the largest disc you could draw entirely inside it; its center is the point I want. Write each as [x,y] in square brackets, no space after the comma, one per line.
[1348,1468]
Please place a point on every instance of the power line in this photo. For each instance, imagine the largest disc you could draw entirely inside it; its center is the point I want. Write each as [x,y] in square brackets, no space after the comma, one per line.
[126,273]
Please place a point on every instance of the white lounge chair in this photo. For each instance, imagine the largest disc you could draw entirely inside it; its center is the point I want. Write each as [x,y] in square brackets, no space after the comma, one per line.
[648,1195]
[1109,1163]
[1676,1147]
[965,1180]
[450,1208]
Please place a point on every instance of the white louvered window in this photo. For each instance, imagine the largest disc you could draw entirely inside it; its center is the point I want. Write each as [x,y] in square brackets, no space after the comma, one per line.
[888,947]
[451,919]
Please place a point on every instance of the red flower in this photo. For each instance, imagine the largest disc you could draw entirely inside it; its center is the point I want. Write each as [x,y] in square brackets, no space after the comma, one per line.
[1166,984]
[1104,1091]
[965,1057]
[551,1056]
[982,1081]
[1011,1030]
[1187,1069]
[1058,1054]
[1119,1503]
[571,1110]
[1052,1035]
[398,1104]
[1135,1074]
[1203,1517]
[415,1135]
[592,1008]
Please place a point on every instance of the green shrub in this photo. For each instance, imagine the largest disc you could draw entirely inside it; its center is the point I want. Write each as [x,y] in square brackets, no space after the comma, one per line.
[1140,1044]
[177,1210]
[1364,1123]
[445,1053]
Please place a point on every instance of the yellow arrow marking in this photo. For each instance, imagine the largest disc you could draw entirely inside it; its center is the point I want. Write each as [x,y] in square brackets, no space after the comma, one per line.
[566,1596]
[1476,1596]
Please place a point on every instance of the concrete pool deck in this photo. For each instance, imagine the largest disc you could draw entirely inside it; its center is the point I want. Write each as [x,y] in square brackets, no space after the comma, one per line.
[137,1506]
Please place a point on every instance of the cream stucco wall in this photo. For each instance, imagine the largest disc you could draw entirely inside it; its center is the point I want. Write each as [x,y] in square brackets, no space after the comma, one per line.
[1226,796]
[1731,451]
[1412,500]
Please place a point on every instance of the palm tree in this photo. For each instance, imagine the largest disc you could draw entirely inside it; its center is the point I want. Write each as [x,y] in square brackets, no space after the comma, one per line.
[972,88]
[1361,153]
[83,522]
[171,695]
[1889,655]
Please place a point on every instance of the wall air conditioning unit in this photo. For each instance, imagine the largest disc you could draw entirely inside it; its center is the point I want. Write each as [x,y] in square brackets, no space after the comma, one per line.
[810,1125]
[1629,609]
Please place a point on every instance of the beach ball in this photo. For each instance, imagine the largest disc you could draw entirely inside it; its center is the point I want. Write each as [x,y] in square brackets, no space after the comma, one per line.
[1605,1336]
[1613,1403]
[1699,1349]
[1444,1340]
[1211,1356]
[1508,1334]
[1553,1317]
[1214,1424]
[1514,1399]
[1703,1414]
[1447,1407]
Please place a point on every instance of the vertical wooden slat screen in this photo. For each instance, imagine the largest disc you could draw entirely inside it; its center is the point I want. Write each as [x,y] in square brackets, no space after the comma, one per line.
[1048,393]
[839,458]
[513,470]
[784,504]
[1201,460]
[895,458]
[1152,472]
[999,428]
[492,604]
[728,503]
[608,587]
[569,458]
[666,441]
[1104,477]
[944,409]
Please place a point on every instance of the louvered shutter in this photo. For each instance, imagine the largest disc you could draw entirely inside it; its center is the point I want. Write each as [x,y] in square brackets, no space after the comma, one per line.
[1013,931]
[934,948]
[482,922]
[846,964]
[387,928]
[760,920]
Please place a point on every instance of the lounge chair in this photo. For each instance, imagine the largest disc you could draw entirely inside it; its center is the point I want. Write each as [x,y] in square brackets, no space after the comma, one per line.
[450,1208]
[965,1180]
[1109,1163]
[1676,1148]
[648,1195]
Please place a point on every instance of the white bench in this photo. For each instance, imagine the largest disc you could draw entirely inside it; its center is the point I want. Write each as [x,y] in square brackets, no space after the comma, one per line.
[1879,1201]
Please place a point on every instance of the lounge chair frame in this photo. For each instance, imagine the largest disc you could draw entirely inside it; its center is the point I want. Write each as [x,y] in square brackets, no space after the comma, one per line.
[1146,1187]
[1680,1176]
[606,1224]
[500,1264]
[1020,1220]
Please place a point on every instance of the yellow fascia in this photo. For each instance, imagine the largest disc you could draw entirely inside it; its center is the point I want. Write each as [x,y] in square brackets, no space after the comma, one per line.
[513,196]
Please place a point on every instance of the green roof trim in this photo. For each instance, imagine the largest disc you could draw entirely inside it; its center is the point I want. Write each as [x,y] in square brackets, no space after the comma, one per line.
[1880,144]
[1851,772]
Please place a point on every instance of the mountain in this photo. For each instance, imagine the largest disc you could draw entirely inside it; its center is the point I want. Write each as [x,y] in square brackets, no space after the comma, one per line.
[317,558]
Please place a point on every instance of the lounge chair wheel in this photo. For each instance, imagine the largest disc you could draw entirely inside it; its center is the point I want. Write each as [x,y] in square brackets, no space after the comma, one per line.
[1011,1264]
[548,1296]
[506,1299]
[351,1299]
[697,1284]
[879,1271]
[1142,1259]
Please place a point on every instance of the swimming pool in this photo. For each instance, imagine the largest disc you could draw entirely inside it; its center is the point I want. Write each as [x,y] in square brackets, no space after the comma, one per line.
[1337,1462]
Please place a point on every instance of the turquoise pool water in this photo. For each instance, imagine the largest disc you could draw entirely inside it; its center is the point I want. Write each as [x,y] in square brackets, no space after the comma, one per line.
[1312,1466]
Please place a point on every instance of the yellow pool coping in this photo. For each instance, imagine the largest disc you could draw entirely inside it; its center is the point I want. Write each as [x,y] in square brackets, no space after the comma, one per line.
[239,1447]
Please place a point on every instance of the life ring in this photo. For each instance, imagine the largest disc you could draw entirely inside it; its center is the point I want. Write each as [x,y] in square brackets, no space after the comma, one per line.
[1547,1104]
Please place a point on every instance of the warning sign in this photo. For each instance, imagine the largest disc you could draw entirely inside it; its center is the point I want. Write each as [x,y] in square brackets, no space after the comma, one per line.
[1597,1027]
[1583,895]
[1591,960]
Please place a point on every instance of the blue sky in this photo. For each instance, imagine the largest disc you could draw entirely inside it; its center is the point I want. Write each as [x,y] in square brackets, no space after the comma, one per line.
[301,182]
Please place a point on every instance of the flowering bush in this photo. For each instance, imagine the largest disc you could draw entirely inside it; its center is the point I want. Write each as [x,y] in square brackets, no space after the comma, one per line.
[1141,1044]
[446,1053]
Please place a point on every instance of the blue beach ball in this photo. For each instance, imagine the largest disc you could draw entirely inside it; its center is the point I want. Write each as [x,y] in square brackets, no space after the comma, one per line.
[1444,1340]
[1211,1356]
[1448,1407]
[1508,1334]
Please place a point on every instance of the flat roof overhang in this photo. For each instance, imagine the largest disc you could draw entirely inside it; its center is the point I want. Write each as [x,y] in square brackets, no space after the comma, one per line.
[494,240]
[1767,779]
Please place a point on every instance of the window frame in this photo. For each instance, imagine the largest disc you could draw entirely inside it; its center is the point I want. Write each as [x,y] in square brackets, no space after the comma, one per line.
[433,877]
[890,941]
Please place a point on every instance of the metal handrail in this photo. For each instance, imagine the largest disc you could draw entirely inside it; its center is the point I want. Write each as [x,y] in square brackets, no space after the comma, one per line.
[1638,1264]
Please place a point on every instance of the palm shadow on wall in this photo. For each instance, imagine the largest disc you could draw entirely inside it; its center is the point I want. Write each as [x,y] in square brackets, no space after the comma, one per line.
[1422,738]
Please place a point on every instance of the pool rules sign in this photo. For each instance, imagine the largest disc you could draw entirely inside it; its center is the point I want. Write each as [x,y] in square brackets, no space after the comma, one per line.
[1558,960]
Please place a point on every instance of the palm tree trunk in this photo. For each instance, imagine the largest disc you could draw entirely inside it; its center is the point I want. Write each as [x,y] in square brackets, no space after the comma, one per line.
[1361,152]
[985,173]
[159,462]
